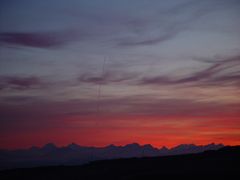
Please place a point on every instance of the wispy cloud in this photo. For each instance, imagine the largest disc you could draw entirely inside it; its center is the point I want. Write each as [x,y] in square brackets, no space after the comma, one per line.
[107,78]
[39,39]
[166,24]
[148,41]
[218,73]
[20,83]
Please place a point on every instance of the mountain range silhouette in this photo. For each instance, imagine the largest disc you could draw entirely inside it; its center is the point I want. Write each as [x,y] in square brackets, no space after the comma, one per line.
[74,154]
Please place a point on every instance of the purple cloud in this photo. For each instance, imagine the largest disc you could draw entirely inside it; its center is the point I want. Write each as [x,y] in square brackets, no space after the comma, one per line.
[106,78]
[38,39]
[20,83]
[148,41]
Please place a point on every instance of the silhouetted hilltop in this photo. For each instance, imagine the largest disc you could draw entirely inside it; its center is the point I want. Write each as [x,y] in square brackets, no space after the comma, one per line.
[214,164]
[74,154]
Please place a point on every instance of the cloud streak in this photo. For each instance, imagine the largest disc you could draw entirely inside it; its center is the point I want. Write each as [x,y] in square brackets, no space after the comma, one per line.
[210,76]
[107,78]
[43,40]
[20,83]
[167,24]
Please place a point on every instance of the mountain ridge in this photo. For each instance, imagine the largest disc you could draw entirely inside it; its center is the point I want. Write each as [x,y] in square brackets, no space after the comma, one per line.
[74,154]
[53,145]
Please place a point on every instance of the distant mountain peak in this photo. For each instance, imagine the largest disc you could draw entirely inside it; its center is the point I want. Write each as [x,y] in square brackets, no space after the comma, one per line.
[132,145]
[73,146]
[49,146]
[149,146]
[164,148]
[213,145]
[33,148]
[184,146]
[111,146]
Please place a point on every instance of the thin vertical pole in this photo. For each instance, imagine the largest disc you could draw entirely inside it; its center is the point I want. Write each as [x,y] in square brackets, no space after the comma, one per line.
[100,86]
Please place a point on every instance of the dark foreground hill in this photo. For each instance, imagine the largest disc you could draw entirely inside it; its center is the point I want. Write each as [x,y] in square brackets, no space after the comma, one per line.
[219,164]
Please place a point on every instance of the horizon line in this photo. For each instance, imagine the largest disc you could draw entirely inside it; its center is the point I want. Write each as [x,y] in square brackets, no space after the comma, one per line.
[112,144]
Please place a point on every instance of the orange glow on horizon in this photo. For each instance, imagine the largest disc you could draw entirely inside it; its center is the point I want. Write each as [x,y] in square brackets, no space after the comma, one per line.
[157,131]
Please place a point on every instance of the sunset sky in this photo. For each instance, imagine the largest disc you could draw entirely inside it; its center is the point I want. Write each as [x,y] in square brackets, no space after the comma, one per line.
[99,72]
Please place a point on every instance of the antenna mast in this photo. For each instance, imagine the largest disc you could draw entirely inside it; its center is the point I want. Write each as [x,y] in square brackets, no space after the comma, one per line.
[100,86]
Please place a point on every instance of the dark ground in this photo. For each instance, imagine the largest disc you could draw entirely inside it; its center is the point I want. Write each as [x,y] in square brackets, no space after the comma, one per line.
[220,164]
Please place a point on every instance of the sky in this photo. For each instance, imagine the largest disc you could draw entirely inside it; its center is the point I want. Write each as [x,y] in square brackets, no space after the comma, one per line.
[105,72]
